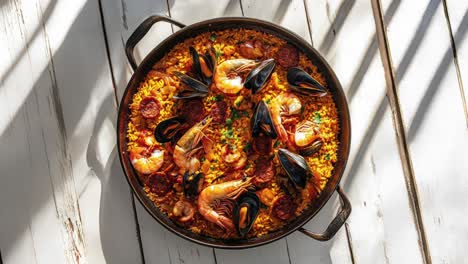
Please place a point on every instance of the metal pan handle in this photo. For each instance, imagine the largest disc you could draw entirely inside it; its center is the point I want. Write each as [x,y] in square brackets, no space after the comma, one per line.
[337,222]
[141,31]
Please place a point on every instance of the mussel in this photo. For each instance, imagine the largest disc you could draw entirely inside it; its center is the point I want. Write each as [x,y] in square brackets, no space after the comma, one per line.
[245,212]
[204,65]
[262,122]
[312,148]
[193,87]
[169,128]
[192,183]
[301,82]
[259,76]
[295,167]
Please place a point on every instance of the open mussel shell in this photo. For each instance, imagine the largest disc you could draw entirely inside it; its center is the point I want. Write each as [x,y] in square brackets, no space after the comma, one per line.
[193,87]
[295,167]
[204,65]
[259,76]
[262,122]
[192,183]
[301,82]
[245,212]
[166,130]
[312,148]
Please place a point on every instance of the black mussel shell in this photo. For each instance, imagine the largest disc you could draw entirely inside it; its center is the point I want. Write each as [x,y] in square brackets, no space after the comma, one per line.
[301,82]
[260,75]
[312,148]
[262,122]
[245,212]
[295,167]
[204,65]
[193,87]
[166,130]
[192,183]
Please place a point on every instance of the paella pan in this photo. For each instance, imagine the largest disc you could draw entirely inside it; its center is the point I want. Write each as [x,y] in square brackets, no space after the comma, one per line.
[232,134]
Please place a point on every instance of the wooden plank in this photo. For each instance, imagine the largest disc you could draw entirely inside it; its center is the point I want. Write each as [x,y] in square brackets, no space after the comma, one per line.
[381,227]
[426,79]
[457,17]
[60,126]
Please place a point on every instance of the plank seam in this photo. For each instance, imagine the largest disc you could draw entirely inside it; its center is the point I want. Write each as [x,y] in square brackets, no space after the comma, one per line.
[393,98]
[350,243]
[455,61]
[109,60]
[309,22]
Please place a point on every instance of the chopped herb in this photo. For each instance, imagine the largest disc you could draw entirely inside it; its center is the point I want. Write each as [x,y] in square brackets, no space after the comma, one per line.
[247,147]
[235,114]
[223,141]
[202,159]
[212,168]
[276,144]
[219,97]
[327,157]
[238,103]
[317,118]
[218,53]
[228,133]
[268,101]
[232,147]
[213,37]
[229,122]
[245,113]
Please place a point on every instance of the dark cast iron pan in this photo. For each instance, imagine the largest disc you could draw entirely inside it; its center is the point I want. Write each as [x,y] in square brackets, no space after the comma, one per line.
[334,87]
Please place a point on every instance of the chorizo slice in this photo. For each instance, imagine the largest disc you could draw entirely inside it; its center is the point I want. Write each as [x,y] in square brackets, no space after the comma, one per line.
[149,107]
[284,207]
[159,183]
[288,56]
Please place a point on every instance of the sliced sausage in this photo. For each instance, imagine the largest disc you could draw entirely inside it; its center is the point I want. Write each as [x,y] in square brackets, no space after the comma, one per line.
[193,110]
[284,207]
[264,172]
[251,49]
[219,111]
[288,56]
[149,107]
[262,144]
[159,183]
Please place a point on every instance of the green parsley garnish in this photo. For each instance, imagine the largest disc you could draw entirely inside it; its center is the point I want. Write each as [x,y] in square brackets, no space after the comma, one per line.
[268,101]
[327,157]
[213,37]
[218,53]
[229,122]
[247,147]
[317,118]
[219,97]
[235,114]
[202,159]
[276,144]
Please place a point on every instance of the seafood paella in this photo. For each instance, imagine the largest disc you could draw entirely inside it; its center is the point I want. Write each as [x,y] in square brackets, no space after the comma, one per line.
[233,133]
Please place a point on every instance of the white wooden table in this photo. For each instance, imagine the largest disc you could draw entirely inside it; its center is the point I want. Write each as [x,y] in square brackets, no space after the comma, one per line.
[402,63]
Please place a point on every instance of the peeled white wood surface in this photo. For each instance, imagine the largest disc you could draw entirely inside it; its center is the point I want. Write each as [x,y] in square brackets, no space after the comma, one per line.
[57,138]
[434,120]
[381,227]
[458,14]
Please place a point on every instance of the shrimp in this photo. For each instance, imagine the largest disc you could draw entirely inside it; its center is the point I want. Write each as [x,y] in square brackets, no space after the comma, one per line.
[216,195]
[188,145]
[284,105]
[228,75]
[144,164]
